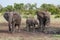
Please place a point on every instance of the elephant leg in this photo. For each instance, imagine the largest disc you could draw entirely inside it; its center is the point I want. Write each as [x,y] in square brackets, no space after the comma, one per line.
[41,25]
[13,27]
[18,28]
[10,27]
[43,28]
[28,28]
[33,28]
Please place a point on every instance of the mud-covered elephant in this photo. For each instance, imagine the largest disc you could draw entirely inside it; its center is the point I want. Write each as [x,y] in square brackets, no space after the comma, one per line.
[31,22]
[44,19]
[14,19]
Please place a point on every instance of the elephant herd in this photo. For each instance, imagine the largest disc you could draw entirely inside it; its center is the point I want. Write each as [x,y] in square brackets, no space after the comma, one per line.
[14,19]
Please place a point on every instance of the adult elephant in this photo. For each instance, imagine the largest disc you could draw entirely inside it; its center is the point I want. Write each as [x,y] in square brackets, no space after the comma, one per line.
[44,19]
[14,19]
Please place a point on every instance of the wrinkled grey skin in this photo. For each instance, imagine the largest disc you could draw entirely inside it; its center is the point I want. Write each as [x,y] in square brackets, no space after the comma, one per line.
[31,22]
[44,19]
[14,19]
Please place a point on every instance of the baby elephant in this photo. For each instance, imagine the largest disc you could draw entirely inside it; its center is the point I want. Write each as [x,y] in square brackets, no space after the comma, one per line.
[31,22]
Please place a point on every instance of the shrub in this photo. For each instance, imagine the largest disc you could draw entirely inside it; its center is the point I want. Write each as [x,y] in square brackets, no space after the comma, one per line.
[57,16]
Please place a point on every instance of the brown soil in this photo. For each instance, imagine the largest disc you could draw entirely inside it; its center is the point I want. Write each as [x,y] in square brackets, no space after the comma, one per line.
[23,35]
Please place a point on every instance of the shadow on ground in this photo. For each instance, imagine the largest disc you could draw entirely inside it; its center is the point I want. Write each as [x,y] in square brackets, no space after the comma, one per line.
[48,30]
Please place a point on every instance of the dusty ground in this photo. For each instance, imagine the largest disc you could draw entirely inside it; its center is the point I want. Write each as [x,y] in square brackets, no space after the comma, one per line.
[23,35]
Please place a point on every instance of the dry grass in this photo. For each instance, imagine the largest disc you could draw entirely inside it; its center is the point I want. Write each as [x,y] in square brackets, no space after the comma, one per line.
[2,20]
[55,22]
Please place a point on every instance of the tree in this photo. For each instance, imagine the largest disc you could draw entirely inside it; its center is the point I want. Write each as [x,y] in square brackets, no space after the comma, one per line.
[49,7]
[1,7]
[9,8]
[30,8]
[19,7]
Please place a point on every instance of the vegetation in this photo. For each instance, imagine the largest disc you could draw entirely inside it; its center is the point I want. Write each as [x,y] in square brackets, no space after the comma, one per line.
[27,9]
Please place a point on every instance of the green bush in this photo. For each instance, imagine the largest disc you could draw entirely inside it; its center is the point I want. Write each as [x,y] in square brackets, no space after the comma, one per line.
[57,16]
[25,16]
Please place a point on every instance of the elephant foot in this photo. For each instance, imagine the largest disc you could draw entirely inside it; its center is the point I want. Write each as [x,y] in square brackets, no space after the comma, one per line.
[43,31]
[13,32]
[34,31]
[9,29]
[19,31]
[27,30]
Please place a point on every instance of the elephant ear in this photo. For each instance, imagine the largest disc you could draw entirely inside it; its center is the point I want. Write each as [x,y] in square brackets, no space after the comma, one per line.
[6,16]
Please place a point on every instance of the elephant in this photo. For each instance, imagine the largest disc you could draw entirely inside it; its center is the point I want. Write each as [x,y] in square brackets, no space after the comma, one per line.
[44,19]
[14,19]
[31,22]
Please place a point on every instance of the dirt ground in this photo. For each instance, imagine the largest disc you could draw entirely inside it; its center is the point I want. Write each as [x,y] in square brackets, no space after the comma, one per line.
[24,35]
